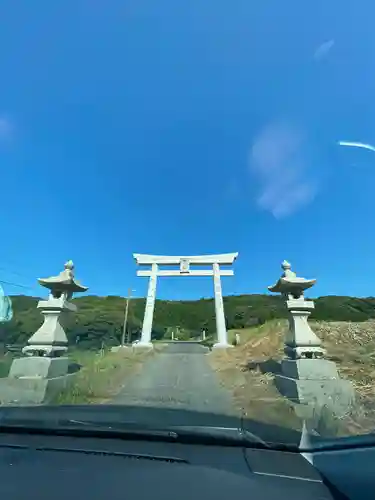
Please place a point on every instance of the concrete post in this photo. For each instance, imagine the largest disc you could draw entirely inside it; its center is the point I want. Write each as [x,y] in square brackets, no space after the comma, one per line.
[221,329]
[149,309]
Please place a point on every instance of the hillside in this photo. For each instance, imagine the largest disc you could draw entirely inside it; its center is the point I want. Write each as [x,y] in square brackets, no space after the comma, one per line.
[248,371]
[100,319]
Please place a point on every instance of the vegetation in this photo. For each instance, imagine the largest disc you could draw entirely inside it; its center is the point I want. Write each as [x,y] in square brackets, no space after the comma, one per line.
[102,375]
[246,371]
[99,320]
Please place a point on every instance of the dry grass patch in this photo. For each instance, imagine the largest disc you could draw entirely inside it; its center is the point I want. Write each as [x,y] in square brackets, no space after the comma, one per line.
[352,347]
[102,375]
[242,371]
[248,370]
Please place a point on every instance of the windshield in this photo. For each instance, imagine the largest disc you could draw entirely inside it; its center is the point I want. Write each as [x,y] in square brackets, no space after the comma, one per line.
[187,192]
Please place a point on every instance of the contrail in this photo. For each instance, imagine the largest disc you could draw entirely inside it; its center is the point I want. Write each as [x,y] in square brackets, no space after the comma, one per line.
[357,145]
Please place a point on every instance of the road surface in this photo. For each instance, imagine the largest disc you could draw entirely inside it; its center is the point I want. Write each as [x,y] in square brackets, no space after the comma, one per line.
[177,387]
[178,377]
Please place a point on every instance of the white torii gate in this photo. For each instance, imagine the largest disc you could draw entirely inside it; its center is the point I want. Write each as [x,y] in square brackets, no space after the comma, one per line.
[185,262]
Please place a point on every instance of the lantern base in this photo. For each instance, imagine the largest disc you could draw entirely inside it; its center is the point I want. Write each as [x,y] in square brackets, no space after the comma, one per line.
[315,383]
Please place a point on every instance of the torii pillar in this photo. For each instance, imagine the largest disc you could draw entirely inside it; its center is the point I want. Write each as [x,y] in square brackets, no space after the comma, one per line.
[149,309]
[221,329]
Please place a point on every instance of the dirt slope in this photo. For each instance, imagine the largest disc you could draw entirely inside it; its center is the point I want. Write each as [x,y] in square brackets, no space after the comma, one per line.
[248,370]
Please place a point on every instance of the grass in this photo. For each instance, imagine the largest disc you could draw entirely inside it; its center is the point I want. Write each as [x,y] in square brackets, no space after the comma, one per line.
[102,375]
[253,391]
[352,347]
[247,370]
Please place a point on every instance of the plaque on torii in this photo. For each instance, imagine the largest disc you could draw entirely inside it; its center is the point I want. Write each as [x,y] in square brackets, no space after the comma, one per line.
[185,264]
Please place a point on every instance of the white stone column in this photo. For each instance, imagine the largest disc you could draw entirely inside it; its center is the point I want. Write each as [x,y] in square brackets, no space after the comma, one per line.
[149,309]
[221,329]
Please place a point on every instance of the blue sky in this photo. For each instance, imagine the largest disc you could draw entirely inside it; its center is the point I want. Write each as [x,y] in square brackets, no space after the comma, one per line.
[187,127]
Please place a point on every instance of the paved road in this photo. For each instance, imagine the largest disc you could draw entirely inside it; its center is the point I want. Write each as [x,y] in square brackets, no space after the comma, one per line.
[178,377]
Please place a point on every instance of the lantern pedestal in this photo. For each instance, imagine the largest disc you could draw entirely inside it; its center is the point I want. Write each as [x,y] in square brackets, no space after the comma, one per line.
[313,384]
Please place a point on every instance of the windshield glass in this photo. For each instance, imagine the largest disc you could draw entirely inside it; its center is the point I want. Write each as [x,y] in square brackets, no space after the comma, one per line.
[187,192]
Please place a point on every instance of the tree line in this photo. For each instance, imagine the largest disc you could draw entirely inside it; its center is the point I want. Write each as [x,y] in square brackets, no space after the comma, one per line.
[100,319]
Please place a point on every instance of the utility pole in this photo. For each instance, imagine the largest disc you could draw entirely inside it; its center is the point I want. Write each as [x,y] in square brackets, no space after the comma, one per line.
[126,317]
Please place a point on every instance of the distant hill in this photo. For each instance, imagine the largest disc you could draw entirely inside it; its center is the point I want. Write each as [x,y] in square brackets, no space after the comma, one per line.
[100,319]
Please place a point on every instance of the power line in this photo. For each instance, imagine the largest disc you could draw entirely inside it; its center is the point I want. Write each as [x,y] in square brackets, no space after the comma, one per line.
[15,273]
[17,285]
[12,283]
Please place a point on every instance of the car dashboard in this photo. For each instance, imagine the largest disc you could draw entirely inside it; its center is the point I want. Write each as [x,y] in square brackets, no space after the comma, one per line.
[61,467]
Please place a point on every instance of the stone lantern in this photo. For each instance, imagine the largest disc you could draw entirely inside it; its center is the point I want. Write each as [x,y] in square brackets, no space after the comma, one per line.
[44,370]
[300,341]
[306,377]
[50,340]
